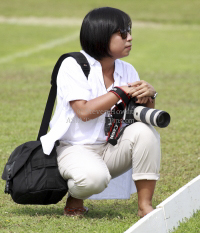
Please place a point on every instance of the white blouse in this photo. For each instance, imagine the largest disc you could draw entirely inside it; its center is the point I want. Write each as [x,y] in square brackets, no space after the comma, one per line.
[73,85]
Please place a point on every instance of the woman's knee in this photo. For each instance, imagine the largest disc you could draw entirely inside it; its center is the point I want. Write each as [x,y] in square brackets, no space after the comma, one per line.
[145,142]
[142,132]
[88,183]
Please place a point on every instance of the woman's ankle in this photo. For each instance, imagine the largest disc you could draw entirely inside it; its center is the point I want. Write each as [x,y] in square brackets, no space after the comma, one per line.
[74,202]
[144,209]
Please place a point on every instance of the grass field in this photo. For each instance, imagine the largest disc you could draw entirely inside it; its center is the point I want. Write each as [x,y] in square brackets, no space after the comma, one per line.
[165,52]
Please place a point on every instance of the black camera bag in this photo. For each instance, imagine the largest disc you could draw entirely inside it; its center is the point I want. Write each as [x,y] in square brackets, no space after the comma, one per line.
[31,176]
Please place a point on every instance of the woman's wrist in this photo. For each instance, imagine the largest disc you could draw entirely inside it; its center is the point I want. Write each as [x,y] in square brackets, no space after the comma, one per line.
[121,94]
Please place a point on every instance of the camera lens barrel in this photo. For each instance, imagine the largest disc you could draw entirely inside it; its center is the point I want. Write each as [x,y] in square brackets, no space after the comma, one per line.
[151,116]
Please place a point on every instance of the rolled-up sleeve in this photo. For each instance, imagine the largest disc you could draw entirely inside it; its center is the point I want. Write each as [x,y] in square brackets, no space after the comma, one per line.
[72,84]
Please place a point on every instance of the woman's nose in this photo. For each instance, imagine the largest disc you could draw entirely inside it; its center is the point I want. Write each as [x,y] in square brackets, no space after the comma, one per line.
[129,37]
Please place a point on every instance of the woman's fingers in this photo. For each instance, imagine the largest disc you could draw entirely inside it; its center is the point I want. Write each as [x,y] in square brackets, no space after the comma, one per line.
[142,100]
[141,89]
[137,83]
[141,93]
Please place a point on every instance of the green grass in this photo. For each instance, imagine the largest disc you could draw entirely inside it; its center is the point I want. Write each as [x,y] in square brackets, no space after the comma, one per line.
[191,226]
[166,56]
[179,11]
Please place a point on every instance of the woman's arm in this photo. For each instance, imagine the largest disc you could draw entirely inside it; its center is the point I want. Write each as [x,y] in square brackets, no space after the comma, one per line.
[87,110]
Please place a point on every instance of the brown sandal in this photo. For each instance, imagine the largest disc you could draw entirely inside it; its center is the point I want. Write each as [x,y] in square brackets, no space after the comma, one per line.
[75,211]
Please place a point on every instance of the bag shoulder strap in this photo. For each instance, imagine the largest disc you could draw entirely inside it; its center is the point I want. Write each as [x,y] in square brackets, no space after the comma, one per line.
[82,61]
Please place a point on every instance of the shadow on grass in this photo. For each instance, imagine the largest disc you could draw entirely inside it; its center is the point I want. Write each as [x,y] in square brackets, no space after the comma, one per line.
[37,210]
[109,211]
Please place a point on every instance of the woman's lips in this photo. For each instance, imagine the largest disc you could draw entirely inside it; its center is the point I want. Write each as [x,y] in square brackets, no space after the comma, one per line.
[128,47]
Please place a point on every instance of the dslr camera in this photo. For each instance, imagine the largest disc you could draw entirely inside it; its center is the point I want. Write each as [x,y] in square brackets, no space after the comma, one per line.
[133,113]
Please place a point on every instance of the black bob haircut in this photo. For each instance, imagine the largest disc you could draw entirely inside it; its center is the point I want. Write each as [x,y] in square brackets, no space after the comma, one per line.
[97,28]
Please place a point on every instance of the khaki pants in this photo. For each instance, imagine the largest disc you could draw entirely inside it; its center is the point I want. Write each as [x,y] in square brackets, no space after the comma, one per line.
[89,168]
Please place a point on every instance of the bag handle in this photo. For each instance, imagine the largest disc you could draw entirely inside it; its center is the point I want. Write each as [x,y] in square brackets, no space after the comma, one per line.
[82,61]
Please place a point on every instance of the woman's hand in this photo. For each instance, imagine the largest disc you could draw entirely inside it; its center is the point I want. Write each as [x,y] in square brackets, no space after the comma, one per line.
[144,100]
[140,89]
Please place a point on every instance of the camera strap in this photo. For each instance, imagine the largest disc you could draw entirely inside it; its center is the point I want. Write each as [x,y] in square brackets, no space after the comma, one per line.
[117,113]
[121,94]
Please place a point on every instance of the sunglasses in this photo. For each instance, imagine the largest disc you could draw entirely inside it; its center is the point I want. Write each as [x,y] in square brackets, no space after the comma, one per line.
[124,33]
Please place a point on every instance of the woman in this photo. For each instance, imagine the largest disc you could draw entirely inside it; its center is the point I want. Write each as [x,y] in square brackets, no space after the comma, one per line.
[85,158]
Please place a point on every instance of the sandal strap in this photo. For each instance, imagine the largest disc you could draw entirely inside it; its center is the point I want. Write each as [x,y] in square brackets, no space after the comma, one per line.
[81,209]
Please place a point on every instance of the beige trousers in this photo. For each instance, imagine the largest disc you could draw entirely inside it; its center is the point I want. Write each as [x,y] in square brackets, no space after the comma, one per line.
[89,168]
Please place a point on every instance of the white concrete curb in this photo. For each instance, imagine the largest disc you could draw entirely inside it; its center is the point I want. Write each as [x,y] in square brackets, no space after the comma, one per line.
[153,222]
[175,209]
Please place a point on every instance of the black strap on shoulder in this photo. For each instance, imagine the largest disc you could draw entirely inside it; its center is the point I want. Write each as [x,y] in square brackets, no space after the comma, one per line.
[79,57]
[82,61]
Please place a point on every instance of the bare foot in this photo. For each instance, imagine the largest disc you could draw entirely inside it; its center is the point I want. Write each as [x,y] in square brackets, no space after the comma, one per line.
[145,210]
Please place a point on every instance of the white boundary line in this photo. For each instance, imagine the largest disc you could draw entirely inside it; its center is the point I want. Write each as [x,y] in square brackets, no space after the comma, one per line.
[175,209]
[46,46]
[41,21]
[50,21]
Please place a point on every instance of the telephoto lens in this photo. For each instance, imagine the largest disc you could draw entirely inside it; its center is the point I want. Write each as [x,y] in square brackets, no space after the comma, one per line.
[136,112]
[152,116]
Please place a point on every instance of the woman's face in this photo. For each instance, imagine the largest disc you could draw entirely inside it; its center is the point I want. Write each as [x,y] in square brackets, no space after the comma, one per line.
[120,47]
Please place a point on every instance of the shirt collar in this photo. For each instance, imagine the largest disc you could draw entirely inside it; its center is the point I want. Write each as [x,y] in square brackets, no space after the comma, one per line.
[118,68]
[90,59]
